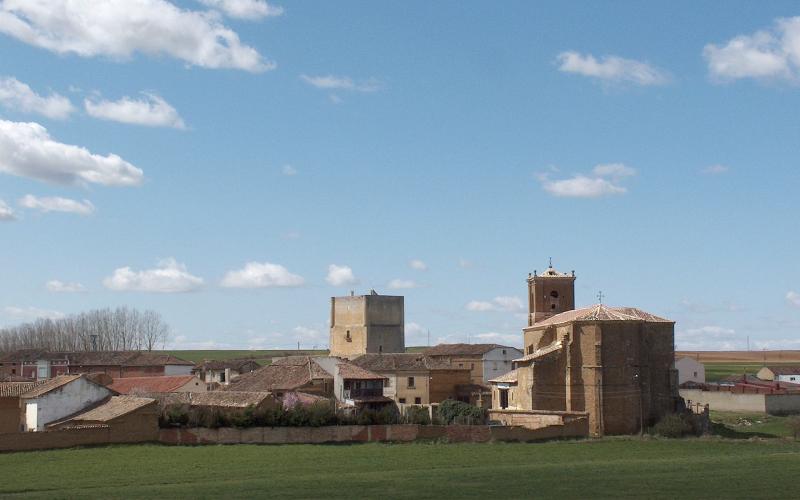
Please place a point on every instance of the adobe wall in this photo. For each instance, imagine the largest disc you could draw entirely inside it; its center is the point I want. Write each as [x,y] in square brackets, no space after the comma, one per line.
[534,419]
[368,433]
[70,438]
[443,383]
[778,404]
[9,415]
[726,401]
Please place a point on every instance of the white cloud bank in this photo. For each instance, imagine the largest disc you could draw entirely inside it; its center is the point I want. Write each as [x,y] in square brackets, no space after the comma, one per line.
[31,313]
[150,110]
[27,150]
[20,97]
[340,275]
[121,28]
[169,277]
[6,213]
[715,169]
[57,286]
[793,298]
[709,338]
[261,275]
[57,204]
[332,82]
[502,303]
[288,170]
[772,54]
[249,10]
[612,69]
[605,180]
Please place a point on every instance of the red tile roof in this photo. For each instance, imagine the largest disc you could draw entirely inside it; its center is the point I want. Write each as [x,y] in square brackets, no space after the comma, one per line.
[15,389]
[601,312]
[784,370]
[353,372]
[463,349]
[127,385]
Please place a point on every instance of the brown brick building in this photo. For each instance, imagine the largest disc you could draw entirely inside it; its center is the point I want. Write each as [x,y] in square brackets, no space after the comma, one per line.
[614,364]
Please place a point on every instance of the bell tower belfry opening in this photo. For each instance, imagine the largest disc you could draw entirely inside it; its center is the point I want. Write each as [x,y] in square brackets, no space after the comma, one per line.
[549,293]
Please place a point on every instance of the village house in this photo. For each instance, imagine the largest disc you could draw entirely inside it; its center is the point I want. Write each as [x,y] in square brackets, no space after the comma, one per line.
[615,365]
[780,373]
[690,370]
[222,372]
[38,364]
[416,378]
[175,383]
[10,414]
[60,397]
[124,414]
[290,374]
[485,361]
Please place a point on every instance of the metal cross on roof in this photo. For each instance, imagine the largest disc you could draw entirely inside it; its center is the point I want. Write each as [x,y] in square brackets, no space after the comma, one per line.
[600,297]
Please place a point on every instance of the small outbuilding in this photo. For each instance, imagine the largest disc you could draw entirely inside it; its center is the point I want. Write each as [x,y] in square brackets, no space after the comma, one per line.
[780,373]
[60,397]
[690,370]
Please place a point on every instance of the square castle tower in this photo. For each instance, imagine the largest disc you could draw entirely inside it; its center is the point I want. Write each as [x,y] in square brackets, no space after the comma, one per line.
[363,324]
[550,293]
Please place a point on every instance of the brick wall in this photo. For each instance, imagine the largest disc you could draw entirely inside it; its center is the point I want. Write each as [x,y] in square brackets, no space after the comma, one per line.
[369,433]
[9,415]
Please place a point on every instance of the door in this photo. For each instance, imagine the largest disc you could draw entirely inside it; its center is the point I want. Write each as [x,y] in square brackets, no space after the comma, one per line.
[503,398]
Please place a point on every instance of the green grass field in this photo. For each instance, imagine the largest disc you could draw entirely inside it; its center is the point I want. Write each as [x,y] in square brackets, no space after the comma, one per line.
[717,371]
[746,425]
[610,468]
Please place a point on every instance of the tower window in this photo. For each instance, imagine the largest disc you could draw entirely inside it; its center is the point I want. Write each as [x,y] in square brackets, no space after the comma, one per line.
[347,336]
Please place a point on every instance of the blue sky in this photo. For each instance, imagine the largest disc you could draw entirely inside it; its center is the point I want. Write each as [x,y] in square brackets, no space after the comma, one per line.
[439,150]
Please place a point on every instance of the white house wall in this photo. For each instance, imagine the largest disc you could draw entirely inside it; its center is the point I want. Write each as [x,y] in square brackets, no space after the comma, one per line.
[178,370]
[64,401]
[498,362]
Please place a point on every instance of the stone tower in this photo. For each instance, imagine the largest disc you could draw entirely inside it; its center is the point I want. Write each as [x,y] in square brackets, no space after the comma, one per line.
[362,324]
[550,293]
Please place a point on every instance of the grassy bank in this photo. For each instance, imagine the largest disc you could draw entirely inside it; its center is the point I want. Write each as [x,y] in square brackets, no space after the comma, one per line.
[605,468]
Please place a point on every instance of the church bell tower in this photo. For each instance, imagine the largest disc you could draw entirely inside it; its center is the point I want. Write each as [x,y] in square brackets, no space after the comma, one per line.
[550,293]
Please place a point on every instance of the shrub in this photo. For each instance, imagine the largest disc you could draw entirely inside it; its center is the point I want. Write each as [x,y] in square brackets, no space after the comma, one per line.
[367,417]
[458,412]
[417,415]
[674,425]
[175,416]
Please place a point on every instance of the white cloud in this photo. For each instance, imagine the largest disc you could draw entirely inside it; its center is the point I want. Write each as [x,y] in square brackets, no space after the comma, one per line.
[581,186]
[121,28]
[19,96]
[612,69]
[418,265]
[57,286]
[331,82]
[793,298]
[151,111]
[501,303]
[709,338]
[613,170]
[261,275]
[27,150]
[465,263]
[169,277]
[413,328]
[307,335]
[715,169]
[604,181]
[244,9]
[765,55]
[401,284]
[288,170]
[6,213]
[31,313]
[57,204]
[340,275]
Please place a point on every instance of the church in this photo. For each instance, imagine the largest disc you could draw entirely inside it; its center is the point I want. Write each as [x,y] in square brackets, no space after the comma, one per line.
[613,365]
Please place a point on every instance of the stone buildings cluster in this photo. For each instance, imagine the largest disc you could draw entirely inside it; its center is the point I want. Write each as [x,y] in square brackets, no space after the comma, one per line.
[612,367]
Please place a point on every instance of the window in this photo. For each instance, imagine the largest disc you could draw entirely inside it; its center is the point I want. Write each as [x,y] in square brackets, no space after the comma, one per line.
[695,374]
[411,382]
[222,377]
[388,382]
[347,336]
[472,366]
[494,365]
[461,365]
[402,401]
[417,401]
[504,351]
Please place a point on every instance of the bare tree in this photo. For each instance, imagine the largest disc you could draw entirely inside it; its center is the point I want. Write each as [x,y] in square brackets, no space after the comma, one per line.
[103,329]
